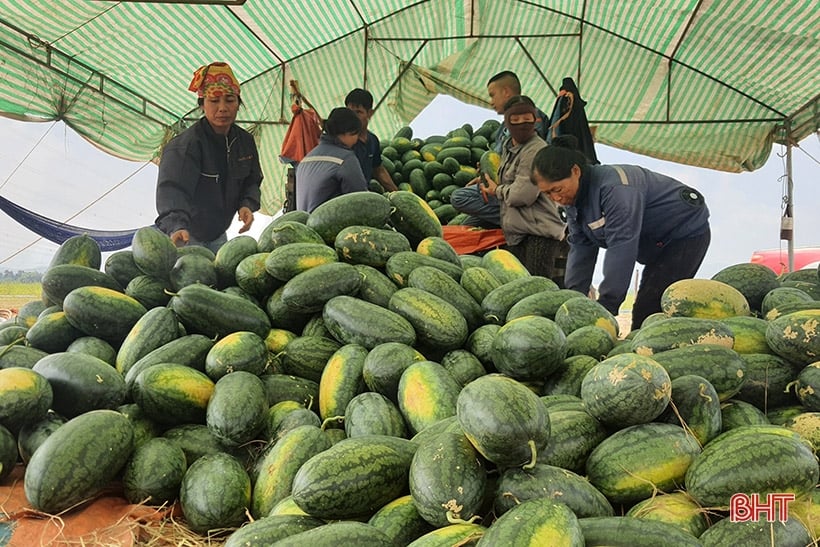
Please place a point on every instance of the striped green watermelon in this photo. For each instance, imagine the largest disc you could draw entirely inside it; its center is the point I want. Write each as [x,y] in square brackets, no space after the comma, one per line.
[740,460]
[539,521]
[633,463]
[447,479]
[552,483]
[626,389]
[506,422]
[675,508]
[529,348]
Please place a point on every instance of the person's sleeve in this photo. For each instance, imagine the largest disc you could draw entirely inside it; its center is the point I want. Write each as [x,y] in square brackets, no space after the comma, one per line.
[177,178]
[580,265]
[542,125]
[624,205]
[352,178]
[252,185]
[521,192]
[377,153]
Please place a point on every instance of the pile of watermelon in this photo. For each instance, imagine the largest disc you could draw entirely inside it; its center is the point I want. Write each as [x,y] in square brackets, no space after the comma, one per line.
[434,167]
[347,378]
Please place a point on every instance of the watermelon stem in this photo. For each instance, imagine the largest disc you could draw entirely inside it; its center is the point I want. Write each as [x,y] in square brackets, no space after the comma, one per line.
[327,421]
[19,341]
[452,519]
[533,451]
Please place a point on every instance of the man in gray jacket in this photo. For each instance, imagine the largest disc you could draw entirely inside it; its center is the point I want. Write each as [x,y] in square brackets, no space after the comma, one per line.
[531,222]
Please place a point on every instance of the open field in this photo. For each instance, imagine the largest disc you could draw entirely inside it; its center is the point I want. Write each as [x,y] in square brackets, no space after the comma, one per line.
[14,294]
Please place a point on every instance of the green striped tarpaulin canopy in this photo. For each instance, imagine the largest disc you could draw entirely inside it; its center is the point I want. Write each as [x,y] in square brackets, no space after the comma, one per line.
[712,83]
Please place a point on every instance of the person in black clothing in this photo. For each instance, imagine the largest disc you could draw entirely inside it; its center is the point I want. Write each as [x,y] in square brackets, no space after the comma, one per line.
[210,172]
[367,148]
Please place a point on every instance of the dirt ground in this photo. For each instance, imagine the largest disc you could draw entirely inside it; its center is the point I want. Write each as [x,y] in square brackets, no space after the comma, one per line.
[624,323]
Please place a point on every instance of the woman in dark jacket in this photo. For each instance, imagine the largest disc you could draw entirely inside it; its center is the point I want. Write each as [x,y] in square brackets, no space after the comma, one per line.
[635,214]
[210,172]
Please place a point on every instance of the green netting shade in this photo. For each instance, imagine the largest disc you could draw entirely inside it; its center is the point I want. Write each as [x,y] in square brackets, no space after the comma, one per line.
[711,84]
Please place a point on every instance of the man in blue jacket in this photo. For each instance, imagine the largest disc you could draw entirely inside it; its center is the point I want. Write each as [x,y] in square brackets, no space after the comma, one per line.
[635,214]
[367,147]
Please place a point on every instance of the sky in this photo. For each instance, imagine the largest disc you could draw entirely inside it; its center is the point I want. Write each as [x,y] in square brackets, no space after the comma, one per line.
[49,169]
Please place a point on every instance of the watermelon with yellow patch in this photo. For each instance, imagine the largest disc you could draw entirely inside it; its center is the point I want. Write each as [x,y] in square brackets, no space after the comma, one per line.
[539,521]
[582,311]
[504,265]
[626,389]
[634,463]
[677,332]
[427,393]
[749,333]
[703,298]
[676,508]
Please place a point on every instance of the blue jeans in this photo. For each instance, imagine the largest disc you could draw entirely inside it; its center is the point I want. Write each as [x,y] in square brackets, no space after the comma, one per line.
[470,200]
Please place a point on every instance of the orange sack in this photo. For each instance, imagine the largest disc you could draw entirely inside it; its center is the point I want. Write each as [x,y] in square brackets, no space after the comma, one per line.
[108,519]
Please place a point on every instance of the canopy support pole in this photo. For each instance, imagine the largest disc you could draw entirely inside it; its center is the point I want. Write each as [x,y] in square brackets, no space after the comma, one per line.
[790,193]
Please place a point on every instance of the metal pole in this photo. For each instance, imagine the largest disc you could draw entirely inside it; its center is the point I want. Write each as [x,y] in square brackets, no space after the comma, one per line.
[790,191]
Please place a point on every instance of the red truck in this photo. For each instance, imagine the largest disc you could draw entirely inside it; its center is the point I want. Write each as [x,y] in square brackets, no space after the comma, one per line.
[778,259]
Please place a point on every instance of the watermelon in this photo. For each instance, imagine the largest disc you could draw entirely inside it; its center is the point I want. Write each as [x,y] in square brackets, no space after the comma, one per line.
[582,311]
[552,483]
[426,394]
[676,508]
[355,321]
[796,336]
[539,521]
[726,532]
[734,414]
[752,280]
[807,386]
[270,529]
[447,479]
[25,397]
[740,461]
[154,472]
[400,520]
[351,479]
[214,493]
[626,389]
[529,348]
[635,462]
[506,422]
[675,332]
[279,463]
[91,450]
[695,406]
[633,532]
[237,408]
[704,298]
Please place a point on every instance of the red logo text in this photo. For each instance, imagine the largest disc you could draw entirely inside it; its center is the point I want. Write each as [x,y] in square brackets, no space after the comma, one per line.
[753,507]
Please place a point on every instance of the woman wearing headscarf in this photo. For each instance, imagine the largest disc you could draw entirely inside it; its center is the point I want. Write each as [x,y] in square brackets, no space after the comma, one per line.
[209,172]
[637,215]
[331,168]
[531,223]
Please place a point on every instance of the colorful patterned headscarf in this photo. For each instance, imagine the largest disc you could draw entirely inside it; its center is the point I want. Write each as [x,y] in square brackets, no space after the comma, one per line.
[214,80]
